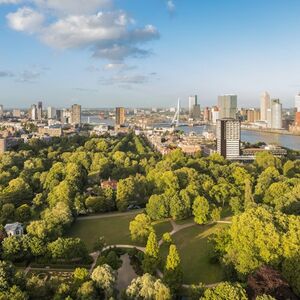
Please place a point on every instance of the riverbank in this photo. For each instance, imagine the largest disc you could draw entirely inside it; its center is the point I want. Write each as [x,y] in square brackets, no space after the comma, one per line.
[272,131]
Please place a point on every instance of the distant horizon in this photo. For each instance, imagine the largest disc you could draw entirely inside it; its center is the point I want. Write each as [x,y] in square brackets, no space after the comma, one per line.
[130,107]
[135,53]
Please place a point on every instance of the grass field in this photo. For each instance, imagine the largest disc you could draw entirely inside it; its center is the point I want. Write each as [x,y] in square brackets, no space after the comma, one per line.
[115,230]
[161,227]
[192,243]
[194,250]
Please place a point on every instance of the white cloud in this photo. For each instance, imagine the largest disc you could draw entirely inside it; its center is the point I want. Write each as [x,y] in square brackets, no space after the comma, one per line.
[4,73]
[10,1]
[74,6]
[25,19]
[29,76]
[171,5]
[112,35]
[117,52]
[118,67]
[78,31]
[126,80]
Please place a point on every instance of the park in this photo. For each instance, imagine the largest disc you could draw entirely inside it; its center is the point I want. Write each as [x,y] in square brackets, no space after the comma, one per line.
[192,241]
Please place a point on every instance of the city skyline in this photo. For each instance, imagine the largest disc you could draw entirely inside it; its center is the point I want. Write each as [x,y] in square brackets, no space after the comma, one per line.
[130,58]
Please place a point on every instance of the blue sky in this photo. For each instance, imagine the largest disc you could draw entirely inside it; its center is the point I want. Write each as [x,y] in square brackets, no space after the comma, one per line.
[138,53]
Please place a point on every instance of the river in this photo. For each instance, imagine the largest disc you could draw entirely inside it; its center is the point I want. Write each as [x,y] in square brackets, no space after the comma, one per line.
[288,141]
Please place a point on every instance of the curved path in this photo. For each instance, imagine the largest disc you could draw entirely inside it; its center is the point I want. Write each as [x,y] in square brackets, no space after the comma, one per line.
[223,222]
[124,246]
[177,228]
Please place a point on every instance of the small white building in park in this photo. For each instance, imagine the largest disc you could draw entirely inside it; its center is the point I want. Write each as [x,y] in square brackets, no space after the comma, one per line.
[14,229]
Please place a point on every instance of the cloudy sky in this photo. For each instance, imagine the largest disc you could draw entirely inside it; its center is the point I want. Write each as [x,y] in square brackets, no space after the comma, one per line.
[137,53]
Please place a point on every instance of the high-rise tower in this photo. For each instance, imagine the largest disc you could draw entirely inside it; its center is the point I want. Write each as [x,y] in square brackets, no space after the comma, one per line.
[276,114]
[265,104]
[228,106]
[120,116]
[40,110]
[228,137]
[76,114]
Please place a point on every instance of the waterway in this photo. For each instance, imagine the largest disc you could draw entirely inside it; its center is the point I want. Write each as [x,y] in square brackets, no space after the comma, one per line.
[288,141]
[253,137]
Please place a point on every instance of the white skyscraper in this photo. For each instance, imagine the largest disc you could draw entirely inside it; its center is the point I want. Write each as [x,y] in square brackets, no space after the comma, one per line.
[192,103]
[297,102]
[76,114]
[51,112]
[269,118]
[1,111]
[33,112]
[276,111]
[228,137]
[40,110]
[228,106]
[265,103]
[215,114]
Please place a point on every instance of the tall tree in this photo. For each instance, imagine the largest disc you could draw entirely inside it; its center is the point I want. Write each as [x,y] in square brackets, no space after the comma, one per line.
[105,279]
[140,227]
[249,199]
[151,259]
[225,291]
[173,272]
[147,287]
[200,210]
[254,240]
[152,248]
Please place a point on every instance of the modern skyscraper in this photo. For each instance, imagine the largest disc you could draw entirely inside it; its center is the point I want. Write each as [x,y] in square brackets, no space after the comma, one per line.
[253,115]
[66,116]
[51,112]
[207,114]
[228,106]
[228,137]
[196,112]
[265,104]
[59,115]
[1,111]
[269,118]
[76,114]
[276,114]
[297,102]
[215,114]
[120,116]
[194,108]
[192,102]
[40,111]
[33,112]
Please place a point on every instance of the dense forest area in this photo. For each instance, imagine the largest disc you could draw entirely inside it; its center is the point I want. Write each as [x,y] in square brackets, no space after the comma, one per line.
[46,186]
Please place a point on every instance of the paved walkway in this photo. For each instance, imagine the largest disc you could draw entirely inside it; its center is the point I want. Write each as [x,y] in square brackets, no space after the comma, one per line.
[125,274]
[95,256]
[224,222]
[124,246]
[177,228]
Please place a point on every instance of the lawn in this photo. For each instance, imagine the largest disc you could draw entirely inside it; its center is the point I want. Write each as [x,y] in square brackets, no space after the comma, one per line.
[194,250]
[115,230]
[161,227]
